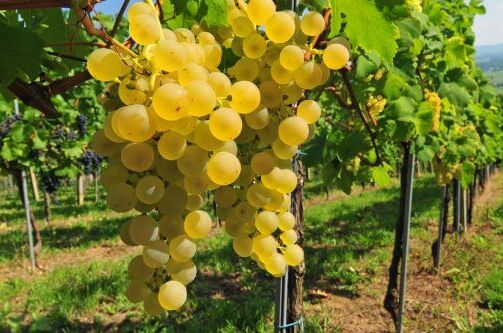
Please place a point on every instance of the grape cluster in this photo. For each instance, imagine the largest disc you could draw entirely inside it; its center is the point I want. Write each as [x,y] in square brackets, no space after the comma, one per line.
[376,105]
[436,103]
[185,128]
[91,162]
[50,182]
[7,124]
[82,123]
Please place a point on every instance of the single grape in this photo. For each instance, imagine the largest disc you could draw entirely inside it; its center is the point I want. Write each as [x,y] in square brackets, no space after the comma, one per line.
[155,254]
[145,29]
[293,130]
[106,65]
[171,101]
[172,295]
[312,24]
[336,56]
[181,248]
[266,222]
[254,46]
[224,168]
[197,224]
[262,163]
[291,57]
[243,246]
[294,255]
[245,97]
[309,110]
[225,124]
[280,27]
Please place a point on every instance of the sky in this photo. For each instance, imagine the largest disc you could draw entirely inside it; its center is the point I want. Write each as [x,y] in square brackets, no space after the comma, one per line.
[488,28]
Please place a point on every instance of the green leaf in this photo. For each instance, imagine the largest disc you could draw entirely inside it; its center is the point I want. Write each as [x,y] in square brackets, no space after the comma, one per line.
[6,153]
[366,27]
[216,14]
[455,93]
[353,144]
[381,176]
[424,119]
[365,66]
[38,143]
[466,174]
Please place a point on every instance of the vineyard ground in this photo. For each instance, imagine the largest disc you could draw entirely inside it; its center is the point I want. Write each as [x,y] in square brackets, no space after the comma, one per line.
[349,242]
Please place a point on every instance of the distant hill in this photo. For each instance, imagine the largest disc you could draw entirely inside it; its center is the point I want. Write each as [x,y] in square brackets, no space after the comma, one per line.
[490,57]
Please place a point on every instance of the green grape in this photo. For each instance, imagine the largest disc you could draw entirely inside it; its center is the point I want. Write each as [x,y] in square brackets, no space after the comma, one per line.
[138,157]
[155,254]
[171,226]
[259,119]
[213,56]
[259,11]
[224,168]
[169,55]
[192,72]
[280,27]
[171,101]
[294,255]
[151,305]
[286,221]
[204,138]
[143,229]
[291,93]
[133,123]
[284,151]
[102,145]
[270,93]
[225,196]
[258,195]
[202,98]
[185,126]
[121,198]
[245,211]
[173,201]
[168,171]
[181,248]
[335,56]
[113,174]
[242,26]
[245,97]
[171,146]
[197,224]
[206,38]
[308,76]
[264,245]
[271,54]
[145,29]
[254,46]
[225,124]
[289,237]
[149,189]
[137,291]
[243,246]
[193,162]
[220,84]
[134,91]
[262,163]
[293,131]
[169,35]
[272,179]
[309,110]
[172,295]
[235,227]
[137,270]
[110,133]
[266,222]
[185,35]
[183,272]
[288,181]
[106,65]
[291,57]
[312,24]
[140,8]
[245,69]
[198,184]
[280,74]
[194,202]
[276,264]
[124,234]
[228,146]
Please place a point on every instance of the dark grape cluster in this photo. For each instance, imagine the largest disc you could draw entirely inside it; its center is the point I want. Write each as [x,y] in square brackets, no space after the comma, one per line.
[91,162]
[50,182]
[82,123]
[62,134]
[35,154]
[7,124]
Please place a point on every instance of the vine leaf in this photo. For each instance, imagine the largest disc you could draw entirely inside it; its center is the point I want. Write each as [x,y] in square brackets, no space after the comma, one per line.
[381,175]
[366,27]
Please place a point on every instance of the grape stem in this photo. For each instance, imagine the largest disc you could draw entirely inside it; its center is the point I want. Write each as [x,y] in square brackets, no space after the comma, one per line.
[312,46]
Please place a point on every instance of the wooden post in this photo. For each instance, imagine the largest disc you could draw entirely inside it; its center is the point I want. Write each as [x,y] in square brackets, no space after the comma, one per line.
[34,185]
[80,190]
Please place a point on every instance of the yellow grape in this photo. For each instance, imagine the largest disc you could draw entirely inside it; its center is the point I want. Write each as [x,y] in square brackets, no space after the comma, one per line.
[138,157]
[198,184]
[242,26]
[155,254]
[169,34]
[183,272]
[233,14]
[270,94]
[340,40]
[225,124]
[224,168]
[206,38]
[245,69]
[220,84]
[213,56]
[170,227]
[259,11]
[271,54]
[143,229]
[133,123]
[284,151]
[151,305]
[312,24]
[259,119]
[245,211]
[172,295]
[137,291]
[272,179]
[195,53]
[276,264]
[266,222]
[194,202]
[291,57]
[171,101]
[286,221]
[145,29]
[280,27]
[124,234]
[193,162]
[289,237]
[258,195]
[197,224]
[106,65]
[181,248]
[202,98]
[185,35]
[293,130]
[336,56]
[247,134]
[121,198]
[235,227]
[269,133]
[245,97]
[228,146]
[225,196]
[134,91]
[254,46]
[102,145]
[171,146]
[309,110]
[192,72]
[185,126]
[308,76]
[288,181]
[149,189]
[137,270]
[243,246]
[169,55]
[168,170]
[262,163]
[140,8]
[294,255]
[173,201]
[113,174]
[204,138]
[280,74]
[264,245]
[291,93]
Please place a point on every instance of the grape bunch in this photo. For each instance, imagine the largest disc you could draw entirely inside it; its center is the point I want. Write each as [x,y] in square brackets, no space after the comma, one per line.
[185,128]
[82,123]
[7,124]
[91,162]
[50,182]
[436,103]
